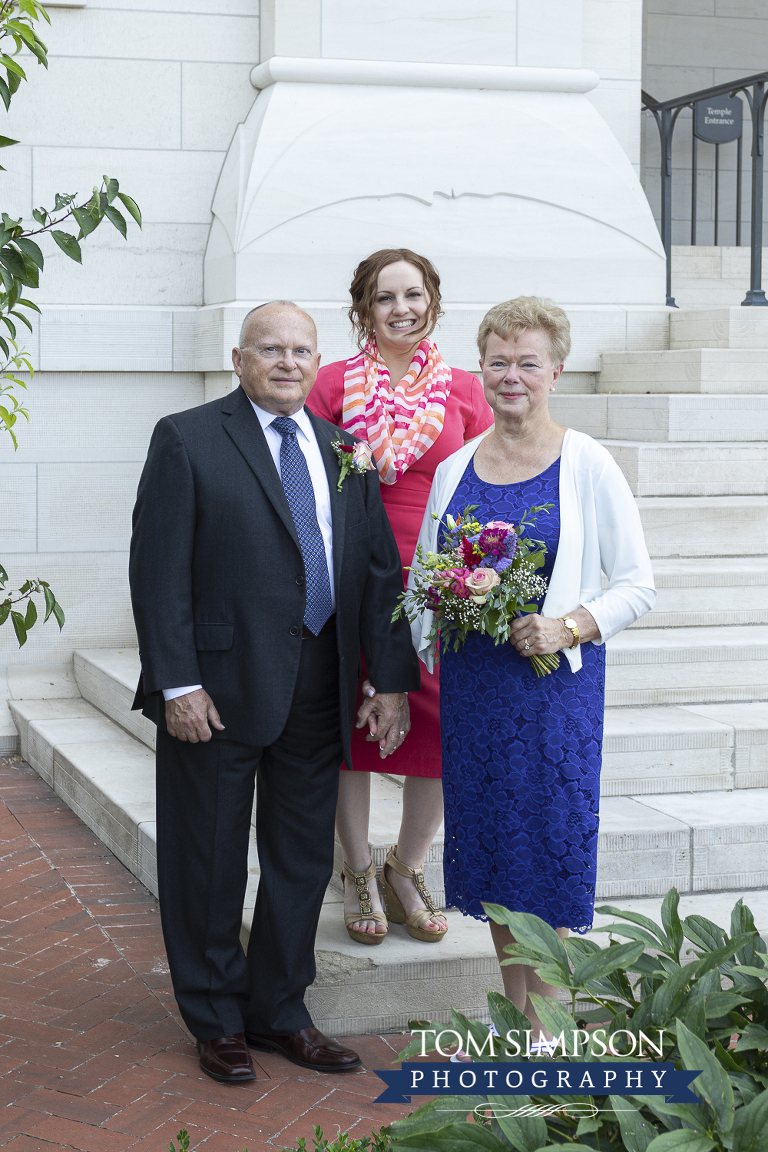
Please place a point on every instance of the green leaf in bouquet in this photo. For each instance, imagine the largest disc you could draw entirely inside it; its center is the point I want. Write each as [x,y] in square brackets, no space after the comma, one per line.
[712,1083]
[524,1133]
[636,1132]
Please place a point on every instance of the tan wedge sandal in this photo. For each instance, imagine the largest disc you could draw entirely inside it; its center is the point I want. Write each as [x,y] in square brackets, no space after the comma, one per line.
[395,910]
[360,880]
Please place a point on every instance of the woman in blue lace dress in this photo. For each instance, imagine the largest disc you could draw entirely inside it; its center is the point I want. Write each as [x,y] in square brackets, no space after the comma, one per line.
[522,754]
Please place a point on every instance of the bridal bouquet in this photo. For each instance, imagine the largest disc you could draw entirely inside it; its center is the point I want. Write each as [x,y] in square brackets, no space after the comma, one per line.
[483,578]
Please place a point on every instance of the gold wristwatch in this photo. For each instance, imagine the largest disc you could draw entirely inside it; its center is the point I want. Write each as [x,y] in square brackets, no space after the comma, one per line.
[573,627]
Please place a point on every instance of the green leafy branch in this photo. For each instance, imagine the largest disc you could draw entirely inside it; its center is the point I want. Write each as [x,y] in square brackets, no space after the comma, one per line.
[10,405]
[20,29]
[23,622]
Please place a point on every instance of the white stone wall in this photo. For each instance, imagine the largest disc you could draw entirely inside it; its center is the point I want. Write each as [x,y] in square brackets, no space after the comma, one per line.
[612,46]
[689,45]
[152,92]
[149,91]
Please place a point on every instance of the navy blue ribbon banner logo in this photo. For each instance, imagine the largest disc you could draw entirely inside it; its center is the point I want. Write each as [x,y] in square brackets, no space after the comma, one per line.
[640,1078]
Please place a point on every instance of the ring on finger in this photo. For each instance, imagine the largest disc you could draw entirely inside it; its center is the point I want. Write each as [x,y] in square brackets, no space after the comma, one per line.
[527,645]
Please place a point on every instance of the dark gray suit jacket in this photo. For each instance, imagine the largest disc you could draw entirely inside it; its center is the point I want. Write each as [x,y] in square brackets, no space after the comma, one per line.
[217,574]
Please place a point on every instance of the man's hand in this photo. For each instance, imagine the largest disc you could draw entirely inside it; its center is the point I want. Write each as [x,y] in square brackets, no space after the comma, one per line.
[388,718]
[191,717]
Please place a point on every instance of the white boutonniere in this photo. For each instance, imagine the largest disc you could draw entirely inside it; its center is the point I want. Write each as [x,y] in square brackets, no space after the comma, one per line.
[356,458]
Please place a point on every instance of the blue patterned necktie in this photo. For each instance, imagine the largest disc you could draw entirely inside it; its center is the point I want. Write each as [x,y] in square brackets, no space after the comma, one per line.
[300,494]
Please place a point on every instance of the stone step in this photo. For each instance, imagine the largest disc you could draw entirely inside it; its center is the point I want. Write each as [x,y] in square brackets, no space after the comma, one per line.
[706,526]
[107,776]
[664,416]
[647,749]
[704,843]
[687,665]
[707,592]
[731,327]
[703,370]
[704,469]
[376,990]
[107,677]
[689,748]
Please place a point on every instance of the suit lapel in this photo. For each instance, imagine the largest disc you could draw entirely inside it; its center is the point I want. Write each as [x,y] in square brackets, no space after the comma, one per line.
[242,424]
[325,436]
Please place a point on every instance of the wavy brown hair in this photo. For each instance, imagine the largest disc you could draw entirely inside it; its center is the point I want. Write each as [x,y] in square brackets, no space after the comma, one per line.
[363,291]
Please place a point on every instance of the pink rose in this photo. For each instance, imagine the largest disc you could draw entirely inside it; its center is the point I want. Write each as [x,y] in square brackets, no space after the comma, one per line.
[453,580]
[500,524]
[480,582]
[363,457]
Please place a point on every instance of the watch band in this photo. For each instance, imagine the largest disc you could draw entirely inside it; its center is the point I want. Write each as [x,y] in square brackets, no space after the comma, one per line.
[572,627]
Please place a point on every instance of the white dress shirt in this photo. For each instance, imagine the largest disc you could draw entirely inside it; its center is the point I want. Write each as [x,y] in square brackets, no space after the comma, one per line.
[307,441]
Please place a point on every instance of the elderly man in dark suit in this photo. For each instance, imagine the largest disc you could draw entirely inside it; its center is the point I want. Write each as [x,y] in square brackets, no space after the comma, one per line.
[255,584]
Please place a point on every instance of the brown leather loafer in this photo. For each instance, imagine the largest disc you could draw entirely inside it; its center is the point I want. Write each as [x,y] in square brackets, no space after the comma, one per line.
[308,1048]
[227,1059]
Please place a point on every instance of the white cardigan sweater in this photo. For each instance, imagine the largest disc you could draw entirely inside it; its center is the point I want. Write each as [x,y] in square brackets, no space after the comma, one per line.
[600,531]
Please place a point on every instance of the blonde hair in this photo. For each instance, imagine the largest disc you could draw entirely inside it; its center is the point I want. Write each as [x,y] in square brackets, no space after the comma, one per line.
[528,314]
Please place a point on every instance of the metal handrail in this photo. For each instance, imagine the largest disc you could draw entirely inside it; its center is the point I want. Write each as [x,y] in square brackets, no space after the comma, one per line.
[665,113]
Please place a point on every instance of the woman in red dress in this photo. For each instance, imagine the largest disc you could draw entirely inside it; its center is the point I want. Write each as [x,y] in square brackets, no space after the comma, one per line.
[401,397]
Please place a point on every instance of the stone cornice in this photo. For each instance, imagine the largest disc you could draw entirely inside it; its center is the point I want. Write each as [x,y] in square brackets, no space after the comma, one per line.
[399,73]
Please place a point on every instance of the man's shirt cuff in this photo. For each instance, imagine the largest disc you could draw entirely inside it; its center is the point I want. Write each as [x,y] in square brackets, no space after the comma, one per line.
[172,693]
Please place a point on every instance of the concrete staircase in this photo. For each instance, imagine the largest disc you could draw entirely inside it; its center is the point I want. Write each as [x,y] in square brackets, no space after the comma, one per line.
[685,769]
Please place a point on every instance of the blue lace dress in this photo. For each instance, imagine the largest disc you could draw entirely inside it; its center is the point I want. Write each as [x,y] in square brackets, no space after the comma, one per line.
[521,755]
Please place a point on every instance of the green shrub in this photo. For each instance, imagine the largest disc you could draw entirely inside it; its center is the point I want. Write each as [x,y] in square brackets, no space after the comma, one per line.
[376,1142]
[639,985]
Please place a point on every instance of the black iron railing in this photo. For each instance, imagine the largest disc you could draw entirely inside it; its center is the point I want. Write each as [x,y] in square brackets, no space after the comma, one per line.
[717,129]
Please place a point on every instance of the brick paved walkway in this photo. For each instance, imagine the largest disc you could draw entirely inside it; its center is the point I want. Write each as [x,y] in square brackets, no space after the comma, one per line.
[92,1053]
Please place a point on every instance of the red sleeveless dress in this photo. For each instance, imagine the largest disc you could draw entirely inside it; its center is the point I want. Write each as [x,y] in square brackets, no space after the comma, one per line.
[466,415]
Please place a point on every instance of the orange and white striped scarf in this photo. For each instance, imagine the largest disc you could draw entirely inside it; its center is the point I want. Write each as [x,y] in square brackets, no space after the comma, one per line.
[400,424]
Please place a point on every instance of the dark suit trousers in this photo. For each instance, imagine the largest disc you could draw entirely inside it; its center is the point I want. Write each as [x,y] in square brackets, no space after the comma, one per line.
[204,802]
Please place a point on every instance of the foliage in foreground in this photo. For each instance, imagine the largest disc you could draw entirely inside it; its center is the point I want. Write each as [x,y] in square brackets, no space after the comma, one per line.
[342,1143]
[639,985]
